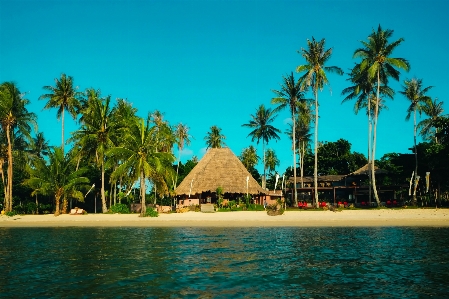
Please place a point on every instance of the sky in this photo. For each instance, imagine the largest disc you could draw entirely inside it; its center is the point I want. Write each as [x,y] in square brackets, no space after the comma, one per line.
[206,63]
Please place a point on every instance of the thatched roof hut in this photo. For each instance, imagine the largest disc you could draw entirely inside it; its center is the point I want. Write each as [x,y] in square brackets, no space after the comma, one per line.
[365,170]
[219,168]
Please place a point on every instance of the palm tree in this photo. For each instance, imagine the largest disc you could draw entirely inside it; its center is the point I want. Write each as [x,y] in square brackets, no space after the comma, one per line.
[14,119]
[379,66]
[433,109]
[262,129]
[182,137]
[416,94]
[364,92]
[302,137]
[249,157]
[140,157]
[64,97]
[57,178]
[122,112]
[271,160]
[99,132]
[214,138]
[315,77]
[292,96]
[165,135]
[39,146]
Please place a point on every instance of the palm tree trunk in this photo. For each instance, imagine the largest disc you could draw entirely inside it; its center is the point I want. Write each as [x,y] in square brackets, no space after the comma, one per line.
[37,206]
[143,210]
[115,192]
[315,171]
[8,206]
[5,187]
[110,195]
[294,158]
[103,197]
[416,153]
[65,203]
[376,114]
[264,180]
[62,133]
[177,168]
[301,158]
[57,198]
[369,151]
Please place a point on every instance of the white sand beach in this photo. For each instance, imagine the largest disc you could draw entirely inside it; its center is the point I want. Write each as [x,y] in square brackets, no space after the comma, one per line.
[349,218]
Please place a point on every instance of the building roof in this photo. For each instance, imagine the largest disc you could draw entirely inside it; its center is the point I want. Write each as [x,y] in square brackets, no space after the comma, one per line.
[322,178]
[219,167]
[365,170]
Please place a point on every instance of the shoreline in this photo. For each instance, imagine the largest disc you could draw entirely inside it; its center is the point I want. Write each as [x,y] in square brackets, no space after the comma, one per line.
[346,218]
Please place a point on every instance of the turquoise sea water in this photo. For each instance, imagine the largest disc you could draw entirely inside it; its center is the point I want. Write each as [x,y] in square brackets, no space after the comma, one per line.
[224,262]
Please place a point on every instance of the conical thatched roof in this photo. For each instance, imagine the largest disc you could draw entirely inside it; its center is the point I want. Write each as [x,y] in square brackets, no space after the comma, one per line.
[365,170]
[219,168]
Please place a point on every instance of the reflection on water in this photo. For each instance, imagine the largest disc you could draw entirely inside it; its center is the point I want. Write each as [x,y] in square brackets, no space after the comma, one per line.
[224,262]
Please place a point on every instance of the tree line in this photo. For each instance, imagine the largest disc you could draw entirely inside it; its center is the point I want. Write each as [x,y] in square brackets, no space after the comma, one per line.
[368,82]
[113,148]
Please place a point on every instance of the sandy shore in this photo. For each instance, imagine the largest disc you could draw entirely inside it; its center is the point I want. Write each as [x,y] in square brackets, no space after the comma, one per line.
[384,217]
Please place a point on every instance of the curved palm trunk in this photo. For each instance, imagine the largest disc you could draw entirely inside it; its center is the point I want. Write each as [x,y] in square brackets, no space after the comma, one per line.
[8,205]
[416,154]
[177,168]
[315,171]
[376,114]
[294,159]
[103,197]
[143,210]
[369,151]
[5,187]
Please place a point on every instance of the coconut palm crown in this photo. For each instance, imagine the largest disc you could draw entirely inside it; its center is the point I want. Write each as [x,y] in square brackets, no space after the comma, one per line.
[64,97]
[316,56]
[291,95]
[262,129]
[214,138]
[378,65]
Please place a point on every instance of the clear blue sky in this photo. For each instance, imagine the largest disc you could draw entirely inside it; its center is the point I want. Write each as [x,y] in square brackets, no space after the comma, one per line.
[207,63]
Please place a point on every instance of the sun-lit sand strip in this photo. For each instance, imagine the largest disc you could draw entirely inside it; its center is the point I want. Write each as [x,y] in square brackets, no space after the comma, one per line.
[349,218]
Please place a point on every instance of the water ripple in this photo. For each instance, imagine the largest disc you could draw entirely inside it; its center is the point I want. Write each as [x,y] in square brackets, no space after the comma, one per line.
[224,262]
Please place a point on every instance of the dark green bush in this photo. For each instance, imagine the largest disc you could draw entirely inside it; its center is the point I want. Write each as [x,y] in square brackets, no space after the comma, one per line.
[10,213]
[120,209]
[151,213]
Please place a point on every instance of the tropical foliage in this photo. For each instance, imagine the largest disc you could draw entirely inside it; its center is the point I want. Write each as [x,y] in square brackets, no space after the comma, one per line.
[57,178]
[378,66]
[291,95]
[16,121]
[262,128]
[315,77]
[64,97]
[214,138]
[114,153]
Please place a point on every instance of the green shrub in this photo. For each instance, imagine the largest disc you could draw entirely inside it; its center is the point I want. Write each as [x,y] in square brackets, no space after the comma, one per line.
[10,213]
[120,209]
[151,213]
[31,208]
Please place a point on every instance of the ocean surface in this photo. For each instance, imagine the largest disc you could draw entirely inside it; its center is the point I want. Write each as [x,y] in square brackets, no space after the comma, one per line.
[224,262]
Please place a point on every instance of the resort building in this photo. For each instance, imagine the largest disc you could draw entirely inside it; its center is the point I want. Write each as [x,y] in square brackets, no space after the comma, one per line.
[219,168]
[351,188]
